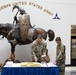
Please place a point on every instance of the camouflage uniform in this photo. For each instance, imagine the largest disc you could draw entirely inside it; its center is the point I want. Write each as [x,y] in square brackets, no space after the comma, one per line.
[38,49]
[60,58]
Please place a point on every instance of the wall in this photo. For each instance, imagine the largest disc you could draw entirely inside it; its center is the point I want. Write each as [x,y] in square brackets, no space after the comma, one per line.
[66,11]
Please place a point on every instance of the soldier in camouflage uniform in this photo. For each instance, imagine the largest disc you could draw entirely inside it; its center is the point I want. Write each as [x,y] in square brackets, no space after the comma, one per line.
[38,48]
[60,56]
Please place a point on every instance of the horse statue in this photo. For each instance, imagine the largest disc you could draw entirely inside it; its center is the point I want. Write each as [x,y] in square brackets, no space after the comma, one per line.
[15,33]
[32,35]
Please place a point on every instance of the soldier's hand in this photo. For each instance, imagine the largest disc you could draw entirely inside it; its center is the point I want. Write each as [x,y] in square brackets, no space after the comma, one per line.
[36,59]
[54,62]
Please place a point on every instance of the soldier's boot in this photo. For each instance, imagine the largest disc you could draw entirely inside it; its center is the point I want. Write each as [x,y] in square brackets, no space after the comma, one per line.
[10,34]
[14,41]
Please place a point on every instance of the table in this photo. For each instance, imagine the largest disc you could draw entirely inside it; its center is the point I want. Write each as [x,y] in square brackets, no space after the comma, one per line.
[52,70]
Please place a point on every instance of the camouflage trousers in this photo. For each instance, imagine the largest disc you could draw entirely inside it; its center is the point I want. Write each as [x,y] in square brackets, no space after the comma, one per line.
[61,68]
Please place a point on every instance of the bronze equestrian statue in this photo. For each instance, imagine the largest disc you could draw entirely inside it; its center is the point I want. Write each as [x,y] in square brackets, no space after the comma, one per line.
[22,32]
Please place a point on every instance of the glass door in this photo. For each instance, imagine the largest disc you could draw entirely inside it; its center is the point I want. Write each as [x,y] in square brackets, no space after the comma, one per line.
[73,50]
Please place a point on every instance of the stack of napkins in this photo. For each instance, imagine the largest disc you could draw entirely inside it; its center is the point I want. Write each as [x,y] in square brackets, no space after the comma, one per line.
[9,64]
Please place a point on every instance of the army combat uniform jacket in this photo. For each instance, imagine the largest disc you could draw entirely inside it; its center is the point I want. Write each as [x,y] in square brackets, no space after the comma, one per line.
[60,58]
[38,49]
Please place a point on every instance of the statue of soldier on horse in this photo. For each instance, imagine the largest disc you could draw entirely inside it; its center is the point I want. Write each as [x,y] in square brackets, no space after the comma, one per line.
[22,25]
[22,32]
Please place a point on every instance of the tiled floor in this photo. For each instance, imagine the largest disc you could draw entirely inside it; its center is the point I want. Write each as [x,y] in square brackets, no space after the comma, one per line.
[70,71]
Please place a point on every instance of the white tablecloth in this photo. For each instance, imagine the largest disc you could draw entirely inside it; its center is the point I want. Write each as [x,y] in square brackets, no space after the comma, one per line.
[11,64]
